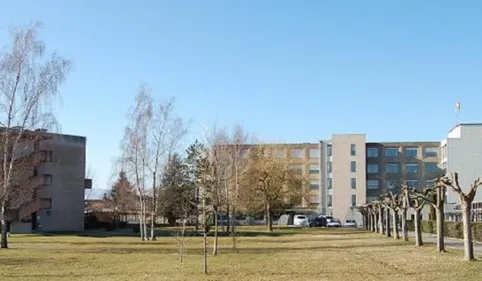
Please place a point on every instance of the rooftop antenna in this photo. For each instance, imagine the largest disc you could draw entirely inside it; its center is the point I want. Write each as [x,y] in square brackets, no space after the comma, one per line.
[457,113]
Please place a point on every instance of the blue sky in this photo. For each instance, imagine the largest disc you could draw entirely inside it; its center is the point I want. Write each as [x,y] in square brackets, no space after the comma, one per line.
[293,71]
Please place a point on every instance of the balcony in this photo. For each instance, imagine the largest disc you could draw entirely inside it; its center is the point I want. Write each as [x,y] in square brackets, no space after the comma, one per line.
[87,183]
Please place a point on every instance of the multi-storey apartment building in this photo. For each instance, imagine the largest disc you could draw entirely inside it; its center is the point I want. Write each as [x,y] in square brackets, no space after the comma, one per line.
[346,171]
[58,201]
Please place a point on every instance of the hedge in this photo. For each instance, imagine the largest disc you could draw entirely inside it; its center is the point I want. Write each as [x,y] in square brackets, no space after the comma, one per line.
[451,229]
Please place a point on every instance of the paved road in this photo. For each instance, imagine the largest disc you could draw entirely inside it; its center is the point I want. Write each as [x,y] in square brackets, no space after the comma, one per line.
[449,242]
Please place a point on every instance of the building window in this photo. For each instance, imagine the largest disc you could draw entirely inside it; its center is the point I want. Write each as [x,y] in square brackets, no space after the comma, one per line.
[391,152]
[314,199]
[314,153]
[412,168]
[330,183]
[372,168]
[353,166]
[330,197]
[314,170]
[45,156]
[352,149]
[372,152]
[298,169]
[353,199]
[391,168]
[373,184]
[353,183]
[314,185]
[280,153]
[428,183]
[329,150]
[297,153]
[330,167]
[430,152]
[391,184]
[47,179]
[431,168]
[412,183]
[411,152]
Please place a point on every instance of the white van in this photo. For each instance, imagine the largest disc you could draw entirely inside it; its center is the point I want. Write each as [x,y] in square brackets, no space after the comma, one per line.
[300,220]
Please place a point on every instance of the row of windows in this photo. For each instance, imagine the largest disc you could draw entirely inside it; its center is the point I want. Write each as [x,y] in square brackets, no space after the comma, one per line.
[330,200]
[410,168]
[375,184]
[409,152]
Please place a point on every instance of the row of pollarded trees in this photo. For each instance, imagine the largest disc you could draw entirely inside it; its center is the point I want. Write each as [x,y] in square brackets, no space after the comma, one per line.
[391,207]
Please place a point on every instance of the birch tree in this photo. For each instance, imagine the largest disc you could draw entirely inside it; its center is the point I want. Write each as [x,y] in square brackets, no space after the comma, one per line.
[29,83]
[166,131]
[136,152]
[466,199]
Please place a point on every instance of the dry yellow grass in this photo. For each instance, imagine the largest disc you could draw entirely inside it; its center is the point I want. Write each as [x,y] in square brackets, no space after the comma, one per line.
[293,255]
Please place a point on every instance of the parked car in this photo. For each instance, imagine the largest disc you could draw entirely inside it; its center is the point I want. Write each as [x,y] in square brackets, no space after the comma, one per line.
[350,223]
[317,221]
[328,218]
[300,220]
[334,223]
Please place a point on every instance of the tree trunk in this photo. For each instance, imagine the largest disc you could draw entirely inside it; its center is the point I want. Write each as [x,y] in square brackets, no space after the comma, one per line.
[215,244]
[183,233]
[440,230]
[196,210]
[374,223]
[396,233]
[404,225]
[369,222]
[440,219]
[468,243]
[4,226]
[141,221]
[144,219]
[153,220]
[365,221]
[418,229]
[205,252]
[387,222]
[228,214]
[233,228]
[269,216]
[381,229]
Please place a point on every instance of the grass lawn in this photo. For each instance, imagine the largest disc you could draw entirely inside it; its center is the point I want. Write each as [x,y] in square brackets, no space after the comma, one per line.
[311,254]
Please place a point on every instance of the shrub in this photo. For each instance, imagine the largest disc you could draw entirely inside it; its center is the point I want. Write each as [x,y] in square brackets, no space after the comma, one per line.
[451,229]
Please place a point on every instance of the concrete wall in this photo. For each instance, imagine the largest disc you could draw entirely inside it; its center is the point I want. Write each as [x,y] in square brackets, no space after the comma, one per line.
[342,190]
[464,155]
[21,227]
[67,187]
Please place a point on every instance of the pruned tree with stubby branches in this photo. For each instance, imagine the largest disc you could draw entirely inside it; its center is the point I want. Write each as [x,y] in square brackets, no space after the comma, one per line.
[435,196]
[29,83]
[466,199]
[417,202]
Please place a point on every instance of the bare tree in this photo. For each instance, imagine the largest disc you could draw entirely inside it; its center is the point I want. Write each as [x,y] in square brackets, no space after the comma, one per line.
[403,206]
[272,184]
[435,196]
[392,204]
[466,199]
[417,202]
[165,133]
[136,152]
[29,82]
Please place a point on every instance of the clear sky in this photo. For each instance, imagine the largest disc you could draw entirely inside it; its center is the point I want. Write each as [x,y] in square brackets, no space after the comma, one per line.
[293,71]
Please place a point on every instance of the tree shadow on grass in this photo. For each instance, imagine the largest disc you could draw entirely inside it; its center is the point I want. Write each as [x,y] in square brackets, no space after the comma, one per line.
[149,249]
